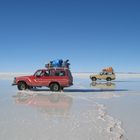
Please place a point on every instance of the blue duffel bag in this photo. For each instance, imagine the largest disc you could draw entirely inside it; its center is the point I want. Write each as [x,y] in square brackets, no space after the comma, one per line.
[57,63]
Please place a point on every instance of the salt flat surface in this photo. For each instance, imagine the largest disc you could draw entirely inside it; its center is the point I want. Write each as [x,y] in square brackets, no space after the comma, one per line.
[85,111]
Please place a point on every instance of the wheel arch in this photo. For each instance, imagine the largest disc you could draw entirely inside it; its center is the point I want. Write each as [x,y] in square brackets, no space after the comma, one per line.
[22,81]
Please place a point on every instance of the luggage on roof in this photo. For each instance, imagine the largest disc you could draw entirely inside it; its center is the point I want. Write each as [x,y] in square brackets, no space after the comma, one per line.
[58,63]
[109,70]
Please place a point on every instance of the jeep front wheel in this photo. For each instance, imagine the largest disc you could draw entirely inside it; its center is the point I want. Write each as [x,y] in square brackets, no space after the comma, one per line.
[22,86]
[54,87]
[94,78]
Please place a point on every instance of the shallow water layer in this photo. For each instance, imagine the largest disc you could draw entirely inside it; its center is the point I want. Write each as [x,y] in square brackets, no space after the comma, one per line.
[86,111]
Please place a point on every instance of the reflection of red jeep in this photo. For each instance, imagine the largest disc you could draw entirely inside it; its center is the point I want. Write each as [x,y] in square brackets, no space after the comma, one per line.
[54,78]
[52,104]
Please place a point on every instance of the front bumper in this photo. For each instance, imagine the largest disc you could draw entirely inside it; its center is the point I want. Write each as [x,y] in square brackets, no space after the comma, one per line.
[13,84]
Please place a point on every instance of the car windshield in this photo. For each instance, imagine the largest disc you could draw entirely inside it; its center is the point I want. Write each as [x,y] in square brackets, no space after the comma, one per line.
[38,73]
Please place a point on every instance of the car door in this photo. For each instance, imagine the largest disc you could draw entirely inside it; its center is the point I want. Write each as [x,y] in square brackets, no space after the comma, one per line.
[61,77]
[45,78]
[104,76]
[41,78]
[37,78]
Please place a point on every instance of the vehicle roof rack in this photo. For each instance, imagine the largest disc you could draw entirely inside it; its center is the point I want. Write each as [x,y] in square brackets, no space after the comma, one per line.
[58,68]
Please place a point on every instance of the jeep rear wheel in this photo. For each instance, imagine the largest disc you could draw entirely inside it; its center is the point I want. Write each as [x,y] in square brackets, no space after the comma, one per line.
[108,79]
[94,78]
[22,86]
[54,87]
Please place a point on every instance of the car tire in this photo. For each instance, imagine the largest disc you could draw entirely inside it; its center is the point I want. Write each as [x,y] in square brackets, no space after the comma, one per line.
[22,86]
[108,79]
[54,87]
[94,78]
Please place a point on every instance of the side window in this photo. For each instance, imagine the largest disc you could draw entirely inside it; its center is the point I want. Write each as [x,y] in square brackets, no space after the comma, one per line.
[57,73]
[47,73]
[52,72]
[38,73]
[60,73]
[110,73]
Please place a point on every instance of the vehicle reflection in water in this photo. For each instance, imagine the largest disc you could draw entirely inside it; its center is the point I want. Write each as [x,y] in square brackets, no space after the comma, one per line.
[51,104]
[106,85]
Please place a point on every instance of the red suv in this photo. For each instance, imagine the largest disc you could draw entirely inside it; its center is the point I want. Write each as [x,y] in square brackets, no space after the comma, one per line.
[54,78]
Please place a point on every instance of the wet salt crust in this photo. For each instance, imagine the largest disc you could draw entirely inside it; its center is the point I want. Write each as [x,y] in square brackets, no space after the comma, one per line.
[81,112]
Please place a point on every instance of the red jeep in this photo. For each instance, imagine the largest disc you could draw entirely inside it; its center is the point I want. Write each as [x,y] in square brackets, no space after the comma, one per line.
[54,78]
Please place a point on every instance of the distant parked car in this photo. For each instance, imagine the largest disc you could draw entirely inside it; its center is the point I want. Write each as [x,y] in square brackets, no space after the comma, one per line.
[54,78]
[106,74]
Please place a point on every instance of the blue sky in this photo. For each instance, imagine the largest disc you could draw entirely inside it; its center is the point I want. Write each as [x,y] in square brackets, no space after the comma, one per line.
[92,34]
